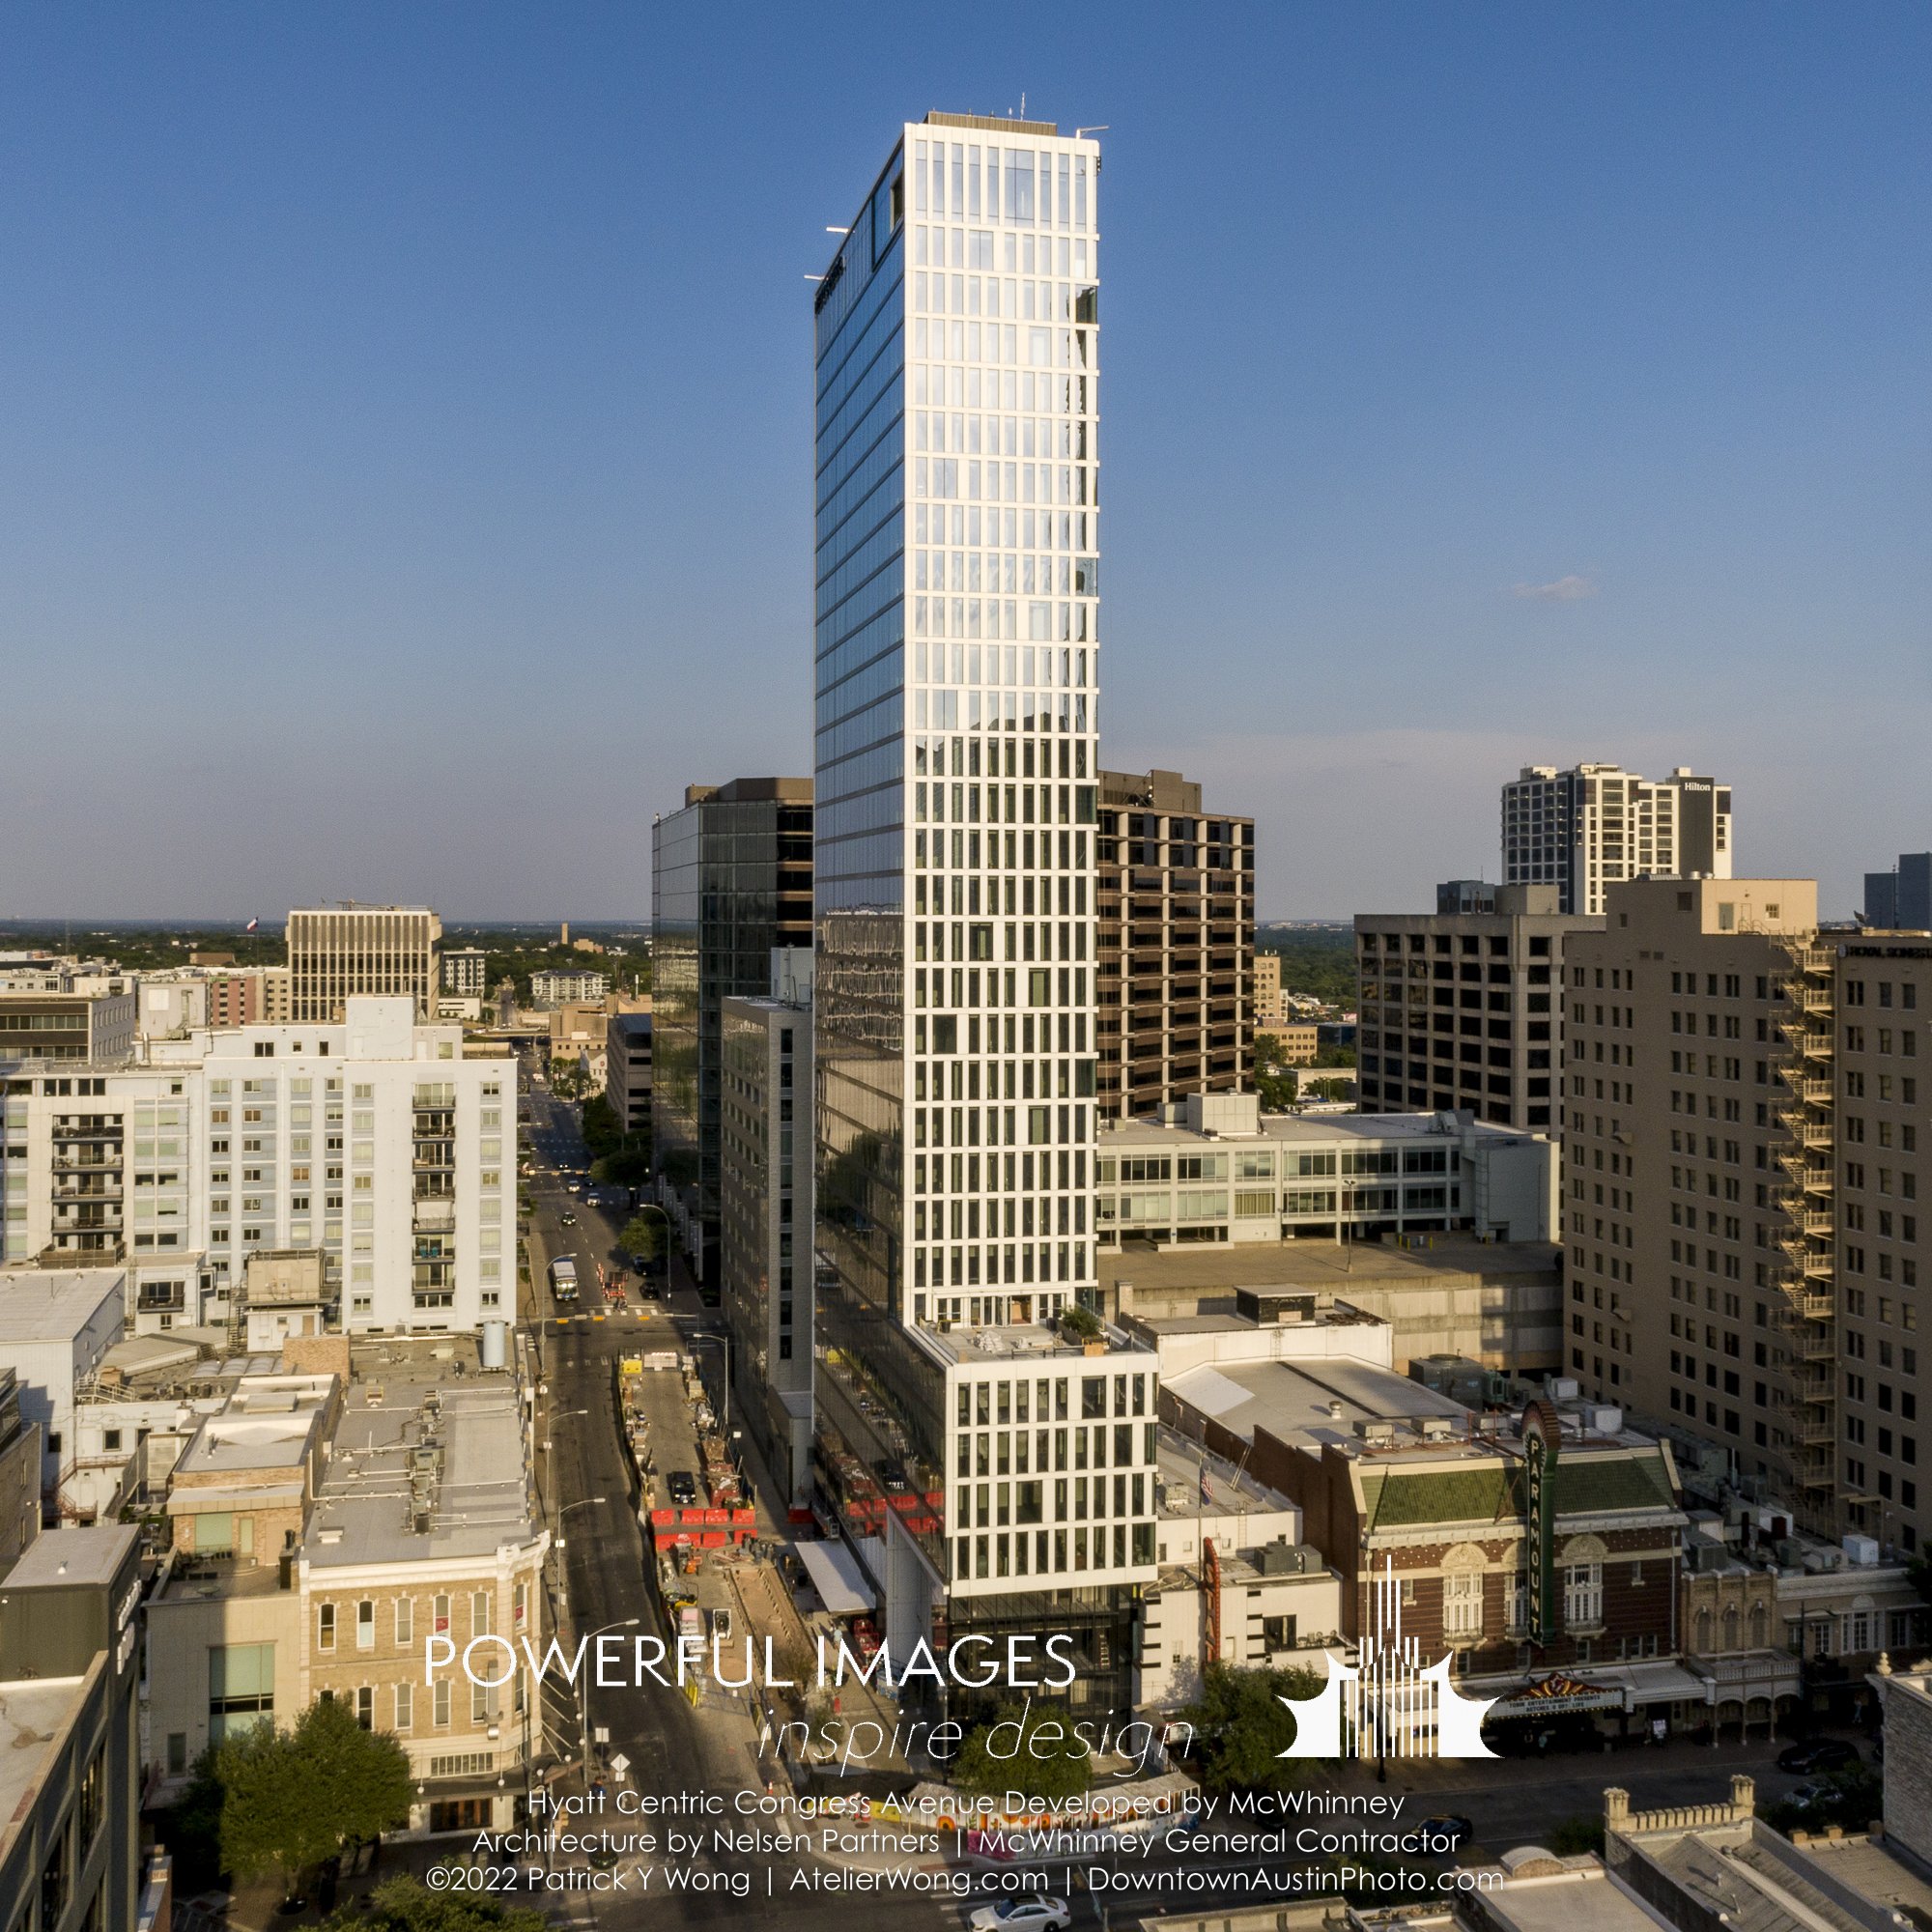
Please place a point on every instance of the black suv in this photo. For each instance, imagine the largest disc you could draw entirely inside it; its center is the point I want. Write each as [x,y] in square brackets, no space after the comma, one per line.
[1819,1754]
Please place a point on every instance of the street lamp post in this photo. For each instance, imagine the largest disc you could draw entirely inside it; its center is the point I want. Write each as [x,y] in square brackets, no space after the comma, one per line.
[583,1696]
[664,1214]
[549,1467]
[724,1339]
[581,1503]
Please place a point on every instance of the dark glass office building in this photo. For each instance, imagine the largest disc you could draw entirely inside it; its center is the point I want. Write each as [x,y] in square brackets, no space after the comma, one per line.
[730,879]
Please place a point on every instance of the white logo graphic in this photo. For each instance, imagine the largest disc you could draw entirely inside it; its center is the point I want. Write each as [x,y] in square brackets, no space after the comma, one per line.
[1387,1705]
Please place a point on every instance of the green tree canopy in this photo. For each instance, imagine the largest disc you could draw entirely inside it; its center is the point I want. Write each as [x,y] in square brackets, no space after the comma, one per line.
[291,1799]
[1319,964]
[1241,1728]
[632,1168]
[1024,1749]
[644,1236]
[407,1905]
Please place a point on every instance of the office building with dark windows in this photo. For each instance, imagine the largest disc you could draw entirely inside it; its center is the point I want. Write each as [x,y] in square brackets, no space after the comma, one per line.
[1462,1008]
[1177,945]
[992,1466]
[1900,899]
[730,880]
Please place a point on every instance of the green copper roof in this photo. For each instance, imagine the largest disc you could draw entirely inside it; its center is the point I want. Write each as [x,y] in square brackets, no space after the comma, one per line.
[1459,1493]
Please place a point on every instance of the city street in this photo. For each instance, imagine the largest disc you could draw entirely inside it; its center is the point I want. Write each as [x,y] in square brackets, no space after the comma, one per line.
[670,1747]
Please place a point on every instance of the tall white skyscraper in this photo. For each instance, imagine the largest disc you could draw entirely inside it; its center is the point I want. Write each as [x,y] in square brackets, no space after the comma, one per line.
[957,676]
[1596,825]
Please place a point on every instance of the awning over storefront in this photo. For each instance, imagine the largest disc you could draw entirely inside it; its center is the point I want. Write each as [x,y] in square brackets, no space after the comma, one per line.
[835,1576]
[1618,1687]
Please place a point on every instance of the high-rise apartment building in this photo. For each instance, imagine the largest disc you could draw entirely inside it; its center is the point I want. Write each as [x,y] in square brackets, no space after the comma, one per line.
[1176,973]
[765,1249]
[338,954]
[465,972]
[1884,1003]
[1900,899]
[1698,1171]
[382,1143]
[730,879]
[957,671]
[1464,1008]
[1587,828]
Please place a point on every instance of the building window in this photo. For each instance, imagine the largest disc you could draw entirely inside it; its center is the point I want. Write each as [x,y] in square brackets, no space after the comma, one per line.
[439,1704]
[404,1703]
[365,1625]
[365,1706]
[1462,1604]
[240,1689]
[406,1618]
[324,1627]
[1583,1595]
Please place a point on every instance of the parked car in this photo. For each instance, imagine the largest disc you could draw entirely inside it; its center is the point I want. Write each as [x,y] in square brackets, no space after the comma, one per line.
[1817,1754]
[1451,1825]
[681,1488]
[1034,1913]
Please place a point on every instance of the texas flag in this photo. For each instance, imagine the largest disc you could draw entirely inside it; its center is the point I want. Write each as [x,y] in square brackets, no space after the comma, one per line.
[252,925]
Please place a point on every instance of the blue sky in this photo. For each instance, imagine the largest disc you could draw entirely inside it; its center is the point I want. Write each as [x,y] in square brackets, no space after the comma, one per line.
[404,480]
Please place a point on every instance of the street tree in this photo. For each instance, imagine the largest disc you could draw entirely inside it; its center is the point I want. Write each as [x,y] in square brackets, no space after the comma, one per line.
[644,1236]
[1057,1765]
[1273,1082]
[291,1799]
[1241,1728]
[407,1905]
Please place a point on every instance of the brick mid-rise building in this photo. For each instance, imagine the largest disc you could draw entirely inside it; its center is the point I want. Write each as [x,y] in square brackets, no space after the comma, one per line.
[1176,944]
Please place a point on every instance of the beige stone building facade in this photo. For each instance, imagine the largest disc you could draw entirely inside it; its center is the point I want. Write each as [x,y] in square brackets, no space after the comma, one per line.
[1698,1175]
[338,954]
[322,1532]
[1884,1005]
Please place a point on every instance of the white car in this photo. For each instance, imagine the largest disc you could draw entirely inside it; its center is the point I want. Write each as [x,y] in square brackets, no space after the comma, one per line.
[1030,1914]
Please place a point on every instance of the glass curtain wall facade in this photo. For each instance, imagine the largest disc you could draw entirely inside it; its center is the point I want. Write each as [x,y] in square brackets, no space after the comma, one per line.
[957,711]
[730,880]
[956,346]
